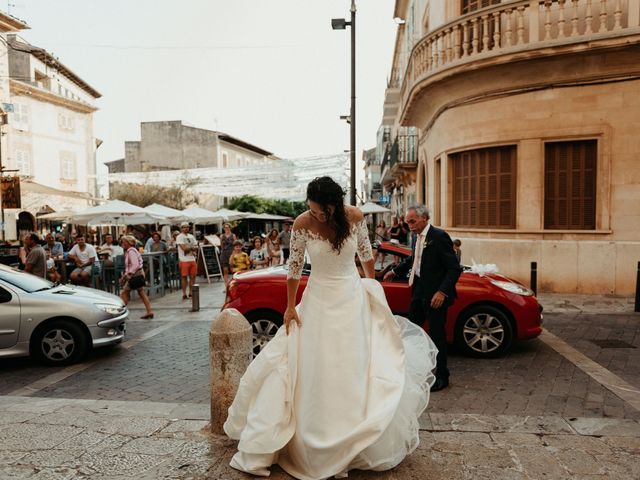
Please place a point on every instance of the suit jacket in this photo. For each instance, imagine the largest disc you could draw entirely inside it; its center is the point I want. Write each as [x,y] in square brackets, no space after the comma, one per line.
[439,267]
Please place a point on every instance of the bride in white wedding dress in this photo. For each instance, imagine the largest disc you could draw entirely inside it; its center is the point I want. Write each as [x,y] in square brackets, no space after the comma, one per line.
[343,382]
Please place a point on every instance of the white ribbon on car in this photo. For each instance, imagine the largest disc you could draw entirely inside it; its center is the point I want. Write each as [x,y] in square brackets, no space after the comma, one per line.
[483,268]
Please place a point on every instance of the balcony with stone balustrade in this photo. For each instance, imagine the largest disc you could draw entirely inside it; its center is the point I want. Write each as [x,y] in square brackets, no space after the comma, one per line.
[535,35]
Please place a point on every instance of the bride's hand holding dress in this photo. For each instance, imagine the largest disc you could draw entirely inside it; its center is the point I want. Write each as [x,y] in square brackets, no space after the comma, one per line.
[291,316]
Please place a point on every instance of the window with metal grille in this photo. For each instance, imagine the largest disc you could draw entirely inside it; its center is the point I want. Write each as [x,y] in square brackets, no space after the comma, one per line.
[473,5]
[570,185]
[484,188]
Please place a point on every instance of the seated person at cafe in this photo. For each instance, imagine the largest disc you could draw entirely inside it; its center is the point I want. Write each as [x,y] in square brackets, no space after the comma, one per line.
[156,244]
[83,255]
[239,261]
[60,238]
[36,261]
[52,271]
[109,250]
[53,247]
[54,251]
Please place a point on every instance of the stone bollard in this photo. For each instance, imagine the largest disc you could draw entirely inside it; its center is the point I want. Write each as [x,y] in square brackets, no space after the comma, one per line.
[230,352]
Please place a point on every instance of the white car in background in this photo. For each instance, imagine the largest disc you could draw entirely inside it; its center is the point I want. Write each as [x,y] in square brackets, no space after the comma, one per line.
[56,324]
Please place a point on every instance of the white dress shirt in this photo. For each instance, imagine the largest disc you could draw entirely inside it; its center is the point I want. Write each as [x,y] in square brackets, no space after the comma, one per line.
[417,254]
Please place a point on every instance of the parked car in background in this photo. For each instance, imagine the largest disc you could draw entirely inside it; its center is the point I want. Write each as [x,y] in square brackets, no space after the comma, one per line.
[491,310]
[56,324]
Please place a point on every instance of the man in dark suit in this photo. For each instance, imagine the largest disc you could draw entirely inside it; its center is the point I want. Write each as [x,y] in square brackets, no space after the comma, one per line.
[434,271]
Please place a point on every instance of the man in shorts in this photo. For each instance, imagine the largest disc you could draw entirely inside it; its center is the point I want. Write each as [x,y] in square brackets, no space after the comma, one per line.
[187,248]
[83,255]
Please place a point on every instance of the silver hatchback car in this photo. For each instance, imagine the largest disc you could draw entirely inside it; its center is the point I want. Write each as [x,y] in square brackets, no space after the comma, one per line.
[56,324]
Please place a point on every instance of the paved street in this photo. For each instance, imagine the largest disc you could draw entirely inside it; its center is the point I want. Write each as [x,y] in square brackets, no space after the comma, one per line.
[529,401]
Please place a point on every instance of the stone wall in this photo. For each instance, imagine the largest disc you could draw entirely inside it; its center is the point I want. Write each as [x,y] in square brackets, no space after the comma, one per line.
[600,261]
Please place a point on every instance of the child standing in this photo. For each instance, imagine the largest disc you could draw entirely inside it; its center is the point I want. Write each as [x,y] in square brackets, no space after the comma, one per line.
[239,261]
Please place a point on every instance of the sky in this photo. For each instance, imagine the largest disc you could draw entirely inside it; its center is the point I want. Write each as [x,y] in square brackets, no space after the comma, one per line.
[271,72]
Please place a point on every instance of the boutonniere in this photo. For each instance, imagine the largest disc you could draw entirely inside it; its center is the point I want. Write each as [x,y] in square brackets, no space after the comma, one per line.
[427,243]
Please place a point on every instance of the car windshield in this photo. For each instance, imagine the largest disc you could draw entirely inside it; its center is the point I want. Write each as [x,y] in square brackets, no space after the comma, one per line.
[24,281]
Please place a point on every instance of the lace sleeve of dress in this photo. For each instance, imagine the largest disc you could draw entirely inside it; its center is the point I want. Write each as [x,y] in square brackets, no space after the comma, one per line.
[364,245]
[297,247]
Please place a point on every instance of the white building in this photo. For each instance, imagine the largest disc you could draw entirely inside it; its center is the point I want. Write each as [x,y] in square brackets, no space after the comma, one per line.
[49,136]
[8,24]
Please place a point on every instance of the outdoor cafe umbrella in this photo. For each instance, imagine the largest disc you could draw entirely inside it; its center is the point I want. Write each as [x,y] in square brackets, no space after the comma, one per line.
[115,212]
[61,216]
[201,216]
[230,215]
[171,214]
[371,207]
[266,216]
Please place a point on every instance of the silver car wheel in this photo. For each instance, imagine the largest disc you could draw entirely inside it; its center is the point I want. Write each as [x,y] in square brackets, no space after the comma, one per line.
[483,333]
[57,345]
[263,331]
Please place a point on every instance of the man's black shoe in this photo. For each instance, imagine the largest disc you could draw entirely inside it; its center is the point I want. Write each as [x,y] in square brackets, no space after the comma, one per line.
[439,384]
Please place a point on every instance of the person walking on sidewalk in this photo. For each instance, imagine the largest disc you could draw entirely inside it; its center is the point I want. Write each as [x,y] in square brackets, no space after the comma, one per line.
[434,272]
[133,278]
[187,248]
[226,249]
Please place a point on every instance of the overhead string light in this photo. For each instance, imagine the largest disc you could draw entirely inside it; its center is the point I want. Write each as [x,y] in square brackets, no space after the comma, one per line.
[278,179]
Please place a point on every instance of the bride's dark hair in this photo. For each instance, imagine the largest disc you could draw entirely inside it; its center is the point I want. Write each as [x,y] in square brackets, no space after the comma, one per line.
[326,192]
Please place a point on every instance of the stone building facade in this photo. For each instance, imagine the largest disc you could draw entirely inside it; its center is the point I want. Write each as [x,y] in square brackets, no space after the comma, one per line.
[172,145]
[50,143]
[527,116]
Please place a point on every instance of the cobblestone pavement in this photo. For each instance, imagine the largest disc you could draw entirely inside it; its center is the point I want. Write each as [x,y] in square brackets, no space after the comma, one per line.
[67,439]
[532,379]
[534,413]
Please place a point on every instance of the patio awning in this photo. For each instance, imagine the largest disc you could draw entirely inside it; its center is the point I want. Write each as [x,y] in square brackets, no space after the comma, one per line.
[267,216]
[371,207]
[116,212]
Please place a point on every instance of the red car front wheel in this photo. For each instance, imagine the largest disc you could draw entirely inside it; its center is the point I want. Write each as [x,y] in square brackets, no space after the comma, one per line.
[484,331]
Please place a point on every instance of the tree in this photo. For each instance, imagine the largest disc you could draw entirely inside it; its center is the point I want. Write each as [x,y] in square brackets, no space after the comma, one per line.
[252,203]
[177,196]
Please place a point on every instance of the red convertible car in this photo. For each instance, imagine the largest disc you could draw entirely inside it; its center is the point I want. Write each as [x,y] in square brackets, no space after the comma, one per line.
[491,310]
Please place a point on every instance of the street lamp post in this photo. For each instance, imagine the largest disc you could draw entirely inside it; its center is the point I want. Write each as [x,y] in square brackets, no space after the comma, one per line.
[341,24]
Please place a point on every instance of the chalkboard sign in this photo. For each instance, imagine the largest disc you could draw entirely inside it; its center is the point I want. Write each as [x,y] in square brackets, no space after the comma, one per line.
[210,261]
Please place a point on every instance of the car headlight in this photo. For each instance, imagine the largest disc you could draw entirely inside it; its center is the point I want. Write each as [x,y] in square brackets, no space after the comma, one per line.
[110,308]
[513,288]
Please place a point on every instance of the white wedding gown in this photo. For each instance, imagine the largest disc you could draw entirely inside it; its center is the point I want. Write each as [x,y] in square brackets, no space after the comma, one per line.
[343,391]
